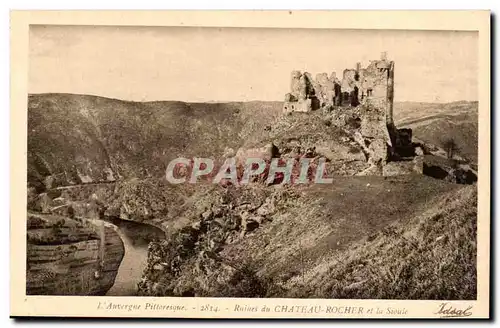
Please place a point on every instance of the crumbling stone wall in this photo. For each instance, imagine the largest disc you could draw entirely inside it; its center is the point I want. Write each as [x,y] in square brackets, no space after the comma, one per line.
[377,84]
[371,87]
[302,95]
[295,87]
[308,94]
[375,134]
[298,106]
[324,89]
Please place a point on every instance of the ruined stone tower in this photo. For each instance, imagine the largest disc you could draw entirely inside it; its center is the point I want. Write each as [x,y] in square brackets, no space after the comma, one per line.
[375,91]
[372,88]
[377,85]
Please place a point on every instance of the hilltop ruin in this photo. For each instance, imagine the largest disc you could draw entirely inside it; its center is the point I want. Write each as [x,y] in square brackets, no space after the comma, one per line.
[373,84]
[369,89]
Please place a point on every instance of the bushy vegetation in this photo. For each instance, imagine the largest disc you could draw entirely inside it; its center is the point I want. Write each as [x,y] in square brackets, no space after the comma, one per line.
[189,261]
[142,199]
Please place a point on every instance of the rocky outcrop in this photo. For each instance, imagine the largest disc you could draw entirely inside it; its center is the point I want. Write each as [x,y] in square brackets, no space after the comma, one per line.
[188,262]
[68,257]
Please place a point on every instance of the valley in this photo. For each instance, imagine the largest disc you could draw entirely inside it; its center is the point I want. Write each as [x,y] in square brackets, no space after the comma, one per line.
[94,158]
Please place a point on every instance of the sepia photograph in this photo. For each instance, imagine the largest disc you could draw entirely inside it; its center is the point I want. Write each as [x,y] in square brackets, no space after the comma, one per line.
[253,163]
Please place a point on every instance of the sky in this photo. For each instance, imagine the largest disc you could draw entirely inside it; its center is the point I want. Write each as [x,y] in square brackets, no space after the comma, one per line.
[200,64]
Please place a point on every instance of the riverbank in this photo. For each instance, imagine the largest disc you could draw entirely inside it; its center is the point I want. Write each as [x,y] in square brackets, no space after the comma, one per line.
[136,237]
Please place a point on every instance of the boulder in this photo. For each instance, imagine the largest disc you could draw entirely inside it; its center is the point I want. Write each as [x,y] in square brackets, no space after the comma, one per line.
[251,225]
[196,225]
[257,218]
[403,167]
[228,152]
[373,169]
[378,151]
[158,267]
[418,164]
[45,203]
[207,215]
[448,170]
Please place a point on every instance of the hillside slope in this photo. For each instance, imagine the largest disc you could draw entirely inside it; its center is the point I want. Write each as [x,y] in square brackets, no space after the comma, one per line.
[420,257]
[79,138]
[318,241]
[434,123]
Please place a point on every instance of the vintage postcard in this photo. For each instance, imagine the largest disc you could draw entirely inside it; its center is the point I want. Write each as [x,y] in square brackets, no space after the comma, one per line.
[240,164]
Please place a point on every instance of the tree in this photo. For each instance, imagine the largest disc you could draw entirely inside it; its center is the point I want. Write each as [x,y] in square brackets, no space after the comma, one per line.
[450,146]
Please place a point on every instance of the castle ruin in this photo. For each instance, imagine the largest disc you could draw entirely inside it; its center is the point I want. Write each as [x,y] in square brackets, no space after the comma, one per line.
[373,84]
[371,89]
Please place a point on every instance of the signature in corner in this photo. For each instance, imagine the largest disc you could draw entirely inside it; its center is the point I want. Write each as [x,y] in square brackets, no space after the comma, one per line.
[447,310]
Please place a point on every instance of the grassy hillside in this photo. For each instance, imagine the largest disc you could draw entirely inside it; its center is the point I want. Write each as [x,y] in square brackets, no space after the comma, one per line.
[426,255]
[330,241]
[331,217]
[434,123]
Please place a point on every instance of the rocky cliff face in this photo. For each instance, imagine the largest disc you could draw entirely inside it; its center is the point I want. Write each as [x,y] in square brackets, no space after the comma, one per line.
[65,257]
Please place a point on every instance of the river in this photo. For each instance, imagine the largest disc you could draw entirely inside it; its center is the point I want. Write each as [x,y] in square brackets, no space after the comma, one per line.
[136,237]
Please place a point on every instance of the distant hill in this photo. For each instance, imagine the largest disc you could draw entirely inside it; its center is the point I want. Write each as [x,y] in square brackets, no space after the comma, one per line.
[433,123]
[80,138]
